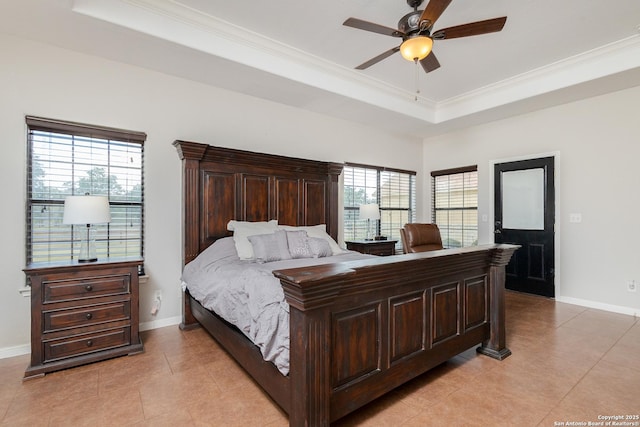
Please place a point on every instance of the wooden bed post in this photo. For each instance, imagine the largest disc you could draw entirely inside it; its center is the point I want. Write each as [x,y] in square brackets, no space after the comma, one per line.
[335,169]
[190,153]
[310,386]
[309,345]
[496,345]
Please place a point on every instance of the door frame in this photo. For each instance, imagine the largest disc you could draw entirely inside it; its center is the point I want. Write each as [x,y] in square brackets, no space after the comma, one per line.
[556,216]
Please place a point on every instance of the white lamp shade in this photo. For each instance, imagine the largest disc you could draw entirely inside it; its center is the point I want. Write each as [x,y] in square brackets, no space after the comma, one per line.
[86,210]
[370,211]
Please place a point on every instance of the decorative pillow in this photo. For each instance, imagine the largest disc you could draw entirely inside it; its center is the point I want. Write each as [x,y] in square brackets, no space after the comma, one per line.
[270,247]
[243,229]
[319,247]
[319,231]
[299,244]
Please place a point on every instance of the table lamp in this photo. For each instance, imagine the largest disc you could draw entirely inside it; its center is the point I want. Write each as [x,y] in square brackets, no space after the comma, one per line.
[369,212]
[86,210]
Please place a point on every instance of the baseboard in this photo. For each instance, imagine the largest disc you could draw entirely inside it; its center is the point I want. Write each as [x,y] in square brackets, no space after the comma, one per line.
[21,350]
[160,323]
[18,350]
[600,306]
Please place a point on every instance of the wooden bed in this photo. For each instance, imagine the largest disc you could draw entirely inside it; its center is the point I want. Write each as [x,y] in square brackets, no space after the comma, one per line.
[357,329]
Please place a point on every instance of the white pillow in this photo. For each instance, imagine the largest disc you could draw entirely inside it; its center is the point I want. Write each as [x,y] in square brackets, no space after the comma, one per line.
[243,229]
[320,231]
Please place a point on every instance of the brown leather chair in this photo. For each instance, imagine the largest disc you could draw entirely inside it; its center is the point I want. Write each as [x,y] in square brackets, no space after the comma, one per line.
[420,238]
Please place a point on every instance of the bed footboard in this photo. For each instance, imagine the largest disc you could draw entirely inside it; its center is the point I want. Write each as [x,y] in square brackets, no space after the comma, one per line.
[359,329]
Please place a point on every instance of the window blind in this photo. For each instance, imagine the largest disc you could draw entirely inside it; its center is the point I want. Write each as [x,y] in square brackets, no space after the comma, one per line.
[392,189]
[455,205]
[65,159]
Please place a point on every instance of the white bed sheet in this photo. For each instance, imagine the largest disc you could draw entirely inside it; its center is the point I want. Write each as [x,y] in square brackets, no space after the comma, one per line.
[247,295]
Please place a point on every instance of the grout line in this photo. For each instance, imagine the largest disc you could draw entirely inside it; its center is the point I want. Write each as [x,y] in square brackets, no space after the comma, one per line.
[600,359]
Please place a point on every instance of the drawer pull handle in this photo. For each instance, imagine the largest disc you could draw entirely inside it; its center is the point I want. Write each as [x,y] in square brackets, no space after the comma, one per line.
[88,288]
[89,343]
[89,316]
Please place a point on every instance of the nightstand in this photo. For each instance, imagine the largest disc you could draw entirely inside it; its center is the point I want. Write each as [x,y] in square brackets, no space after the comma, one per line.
[373,247]
[82,313]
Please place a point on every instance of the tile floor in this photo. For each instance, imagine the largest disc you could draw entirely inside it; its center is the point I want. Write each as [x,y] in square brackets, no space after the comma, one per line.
[569,364]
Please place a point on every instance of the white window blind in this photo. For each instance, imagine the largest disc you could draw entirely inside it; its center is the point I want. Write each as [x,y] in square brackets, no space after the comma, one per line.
[66,159]
[455,205]
[393,190]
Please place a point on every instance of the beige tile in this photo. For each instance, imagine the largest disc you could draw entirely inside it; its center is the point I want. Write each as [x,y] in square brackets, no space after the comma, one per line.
[569,363]
[389,410]
[177,417]
[120,407]
[131,371]
[598,323]
[162,393]
[607,388]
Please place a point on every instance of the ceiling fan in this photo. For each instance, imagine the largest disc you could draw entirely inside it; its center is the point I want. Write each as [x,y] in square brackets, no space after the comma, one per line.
[415,31]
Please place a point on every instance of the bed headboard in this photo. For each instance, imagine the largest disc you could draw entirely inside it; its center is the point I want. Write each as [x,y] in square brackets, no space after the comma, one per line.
[220,184]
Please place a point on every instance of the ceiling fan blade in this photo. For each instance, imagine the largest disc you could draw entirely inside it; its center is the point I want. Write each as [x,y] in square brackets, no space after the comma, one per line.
[430,63]
[378,58]
[471,29]
[433,11]
[374,28]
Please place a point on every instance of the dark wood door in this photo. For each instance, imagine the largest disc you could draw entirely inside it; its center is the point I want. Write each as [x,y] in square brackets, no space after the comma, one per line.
[524,215]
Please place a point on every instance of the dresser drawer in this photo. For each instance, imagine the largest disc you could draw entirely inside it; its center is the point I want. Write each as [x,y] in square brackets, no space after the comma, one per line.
[386,250]
[373,247]
[81,288]
[85,316]
[85,344]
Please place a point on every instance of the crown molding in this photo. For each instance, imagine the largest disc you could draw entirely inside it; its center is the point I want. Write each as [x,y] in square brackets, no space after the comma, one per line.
[173,21]
[612,58]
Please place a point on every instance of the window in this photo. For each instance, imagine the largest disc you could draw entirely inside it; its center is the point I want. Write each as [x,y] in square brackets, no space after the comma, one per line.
[67,159]
[455,205]
[393,190]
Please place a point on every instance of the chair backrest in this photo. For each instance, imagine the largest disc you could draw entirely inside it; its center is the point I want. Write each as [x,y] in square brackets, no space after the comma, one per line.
[420,238]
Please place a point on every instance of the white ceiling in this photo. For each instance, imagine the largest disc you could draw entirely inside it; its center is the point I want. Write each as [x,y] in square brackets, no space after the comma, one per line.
[297,52]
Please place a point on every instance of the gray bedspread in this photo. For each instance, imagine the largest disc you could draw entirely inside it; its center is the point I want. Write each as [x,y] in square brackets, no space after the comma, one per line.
[247,295]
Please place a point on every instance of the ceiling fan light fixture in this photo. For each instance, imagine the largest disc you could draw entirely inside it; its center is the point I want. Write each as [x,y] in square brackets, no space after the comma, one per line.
[416,48]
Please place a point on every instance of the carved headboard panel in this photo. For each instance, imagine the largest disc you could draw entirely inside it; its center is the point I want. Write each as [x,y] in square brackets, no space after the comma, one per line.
[220,184]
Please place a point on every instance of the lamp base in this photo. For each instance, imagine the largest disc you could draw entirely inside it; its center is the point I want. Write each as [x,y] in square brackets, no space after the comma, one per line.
[88,246]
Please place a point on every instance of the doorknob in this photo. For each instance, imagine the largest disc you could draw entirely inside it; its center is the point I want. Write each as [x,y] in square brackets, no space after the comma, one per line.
[498,228]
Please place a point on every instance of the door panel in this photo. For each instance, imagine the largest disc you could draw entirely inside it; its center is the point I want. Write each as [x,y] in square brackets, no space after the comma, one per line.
[525,215]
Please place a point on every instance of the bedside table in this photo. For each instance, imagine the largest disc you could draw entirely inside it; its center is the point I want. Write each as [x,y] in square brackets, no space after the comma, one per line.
[373,247]
[82,313]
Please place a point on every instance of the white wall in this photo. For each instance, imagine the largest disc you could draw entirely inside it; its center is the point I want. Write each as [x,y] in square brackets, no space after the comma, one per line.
[45,81]
[597,147]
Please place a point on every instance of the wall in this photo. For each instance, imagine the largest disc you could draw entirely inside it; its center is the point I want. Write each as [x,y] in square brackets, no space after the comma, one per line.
[597,146]
[45,81]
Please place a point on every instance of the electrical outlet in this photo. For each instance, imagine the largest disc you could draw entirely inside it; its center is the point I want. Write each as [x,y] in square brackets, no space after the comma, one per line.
[157,301]
[632,286]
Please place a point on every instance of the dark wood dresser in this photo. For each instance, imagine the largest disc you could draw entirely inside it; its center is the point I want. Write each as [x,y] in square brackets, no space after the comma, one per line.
[82,313]
[373,247]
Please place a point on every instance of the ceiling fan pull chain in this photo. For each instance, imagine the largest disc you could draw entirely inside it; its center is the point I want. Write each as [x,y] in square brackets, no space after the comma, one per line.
[417,80]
